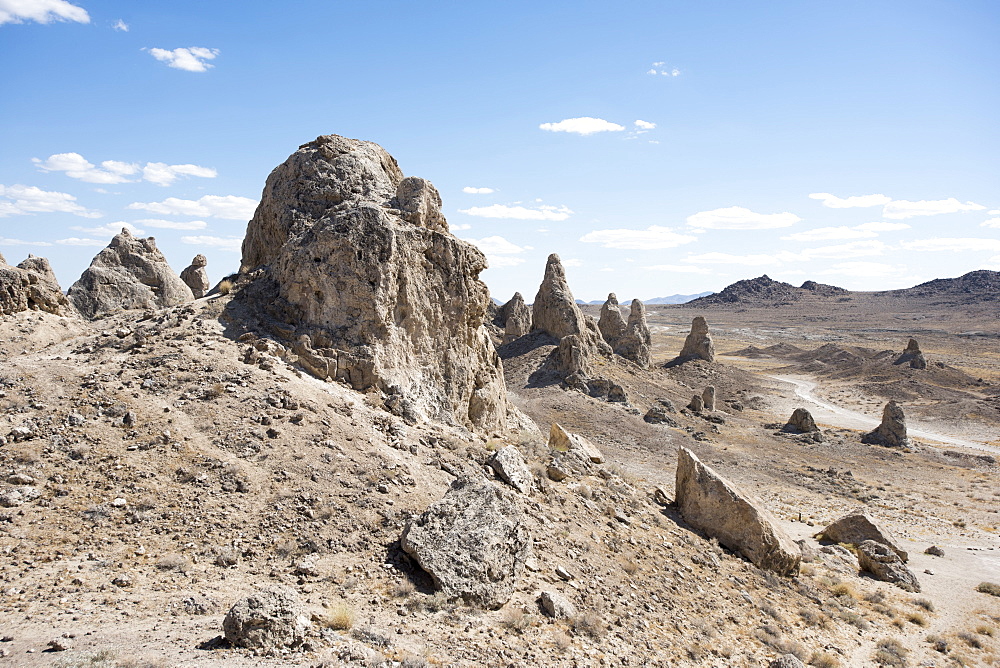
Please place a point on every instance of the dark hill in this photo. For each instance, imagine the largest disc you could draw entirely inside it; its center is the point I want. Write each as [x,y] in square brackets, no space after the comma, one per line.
[980,285]
[765,291]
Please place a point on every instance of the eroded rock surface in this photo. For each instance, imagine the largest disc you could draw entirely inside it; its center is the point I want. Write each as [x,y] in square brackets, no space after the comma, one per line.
[912,356]
[195,276]
[712,504]
[892,431]
[272,619]
[708,397]
[698,344]
[635,343]
[473,542]
[561,440]
[801,422]
[554,310]
[131,273]
[31,286]
[509,464]
[611,323]
[355,264]
[857,527]
[517,318]
[881,561]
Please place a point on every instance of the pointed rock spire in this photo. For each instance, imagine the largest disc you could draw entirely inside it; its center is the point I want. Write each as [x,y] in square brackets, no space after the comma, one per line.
[698,344]
[611,323]
[518,318]
[555,311]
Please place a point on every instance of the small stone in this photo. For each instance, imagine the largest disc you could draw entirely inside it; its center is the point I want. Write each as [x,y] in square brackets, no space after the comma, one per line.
[563,573]
[59,645]
[935,551]
[556,605]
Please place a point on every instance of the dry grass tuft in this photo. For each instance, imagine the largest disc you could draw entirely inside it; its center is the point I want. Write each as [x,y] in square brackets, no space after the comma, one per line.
[340,618]
[890,652]
[991,588]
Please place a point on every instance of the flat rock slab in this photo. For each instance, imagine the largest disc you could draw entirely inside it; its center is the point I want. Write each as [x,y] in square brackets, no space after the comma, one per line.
[473,542]
[857,527]
[715,506]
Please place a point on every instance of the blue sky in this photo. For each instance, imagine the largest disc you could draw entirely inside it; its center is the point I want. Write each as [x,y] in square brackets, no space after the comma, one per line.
[658,147]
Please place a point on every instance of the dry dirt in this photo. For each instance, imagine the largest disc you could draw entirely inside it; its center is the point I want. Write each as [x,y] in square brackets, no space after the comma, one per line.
[169,479]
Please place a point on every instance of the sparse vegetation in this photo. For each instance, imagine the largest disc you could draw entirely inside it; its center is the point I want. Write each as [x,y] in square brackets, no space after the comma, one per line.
[341,617]
[824,660]
[225,287]
[890,652]
[174,562]
[970,639]
[588,623]
[991,588]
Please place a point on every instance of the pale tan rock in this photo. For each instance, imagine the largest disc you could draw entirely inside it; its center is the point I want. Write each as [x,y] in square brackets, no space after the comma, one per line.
[517,317]
[131,273]
[271,619]
[912,356]
[195,276]
[708,398]
[892,431]
[801,422]
[358,259]
[564,441]
[856,527]
[698,344]
[635,343]
[712,504]
[31,286]
[881,561]
[555,311]
[611,323]
[509,464]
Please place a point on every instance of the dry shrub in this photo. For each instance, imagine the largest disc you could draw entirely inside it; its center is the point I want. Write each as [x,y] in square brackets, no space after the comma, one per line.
[225,287]
[890,652]
[925,604]
[516,619]
[824,660]
[561,640]
[403,589]
[984,630]
[916,618]
[630,566]
[226,557]
[844,590]
[341,617]
[970,639]
[174,562]
[588,623]
[991,588]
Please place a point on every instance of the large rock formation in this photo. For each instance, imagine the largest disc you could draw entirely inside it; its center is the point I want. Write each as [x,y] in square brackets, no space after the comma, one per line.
[355,264]
[555,311]
[883,563]
[912,356]
[269,620]
[31,286]
[708,397]
[856,527]
[517,318]
[892,431]
[473,542]
[130,273]
[698,344]
[801,422]
[634,344]
[713,505]
[195,276]
[611,323]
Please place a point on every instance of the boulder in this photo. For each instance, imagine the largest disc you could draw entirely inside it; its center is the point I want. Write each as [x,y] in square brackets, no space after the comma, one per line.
[131,273]
[611,323]
[509,464]
[912,356]
[517,318]
[269,620]
[713,505]
[801,422]
[473,542]
[892,431]
[561,440]
[195,276]
[856,527]
[346,252]
[658,414]
[708,397]
[697,404]
[882,562]
[635,343]
[556,605]
[698,344]
[786,661]
[555,311]
[31,286]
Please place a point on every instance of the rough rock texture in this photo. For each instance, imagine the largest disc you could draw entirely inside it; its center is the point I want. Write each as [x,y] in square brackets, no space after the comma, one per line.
[556,605]
[882,562]
[712,504]
[912,356]
[611,323]
[517,318]
[269,620]
[708,397]
[698,344]
[786,661]
[635,343]
[555,311]
[697,404]
[473,542]
[658,414]
[130,273]
[564,441]
[857,527]
[31,286]
[801,422]
[354,264]
[195,276]
[509,464]
[892,432]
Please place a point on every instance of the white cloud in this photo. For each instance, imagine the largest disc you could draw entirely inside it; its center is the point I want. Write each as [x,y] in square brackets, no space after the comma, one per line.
[232,244]
[109,230]
[853,249]
[496,246]
[41,11]
[830,233]
[952,244]
[584,125]
[20,200]
[112,171]
[901,208]
[75,241]
[519,212]
[659,69]
[191,59]
[572,262]
[120,26]
[835,202]
[882,227]
[651,238]
[740,218]
[498,261]
[459,227]
[644,125]
[173,224]
[862,269]
[992,222]
[994,212]
[477,191]
[229,207]
[4,241]
[679,268]
[757,260]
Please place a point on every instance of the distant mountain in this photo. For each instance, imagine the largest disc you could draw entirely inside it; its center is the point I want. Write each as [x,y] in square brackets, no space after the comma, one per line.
[765,291]
[677,299]
[975,286]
